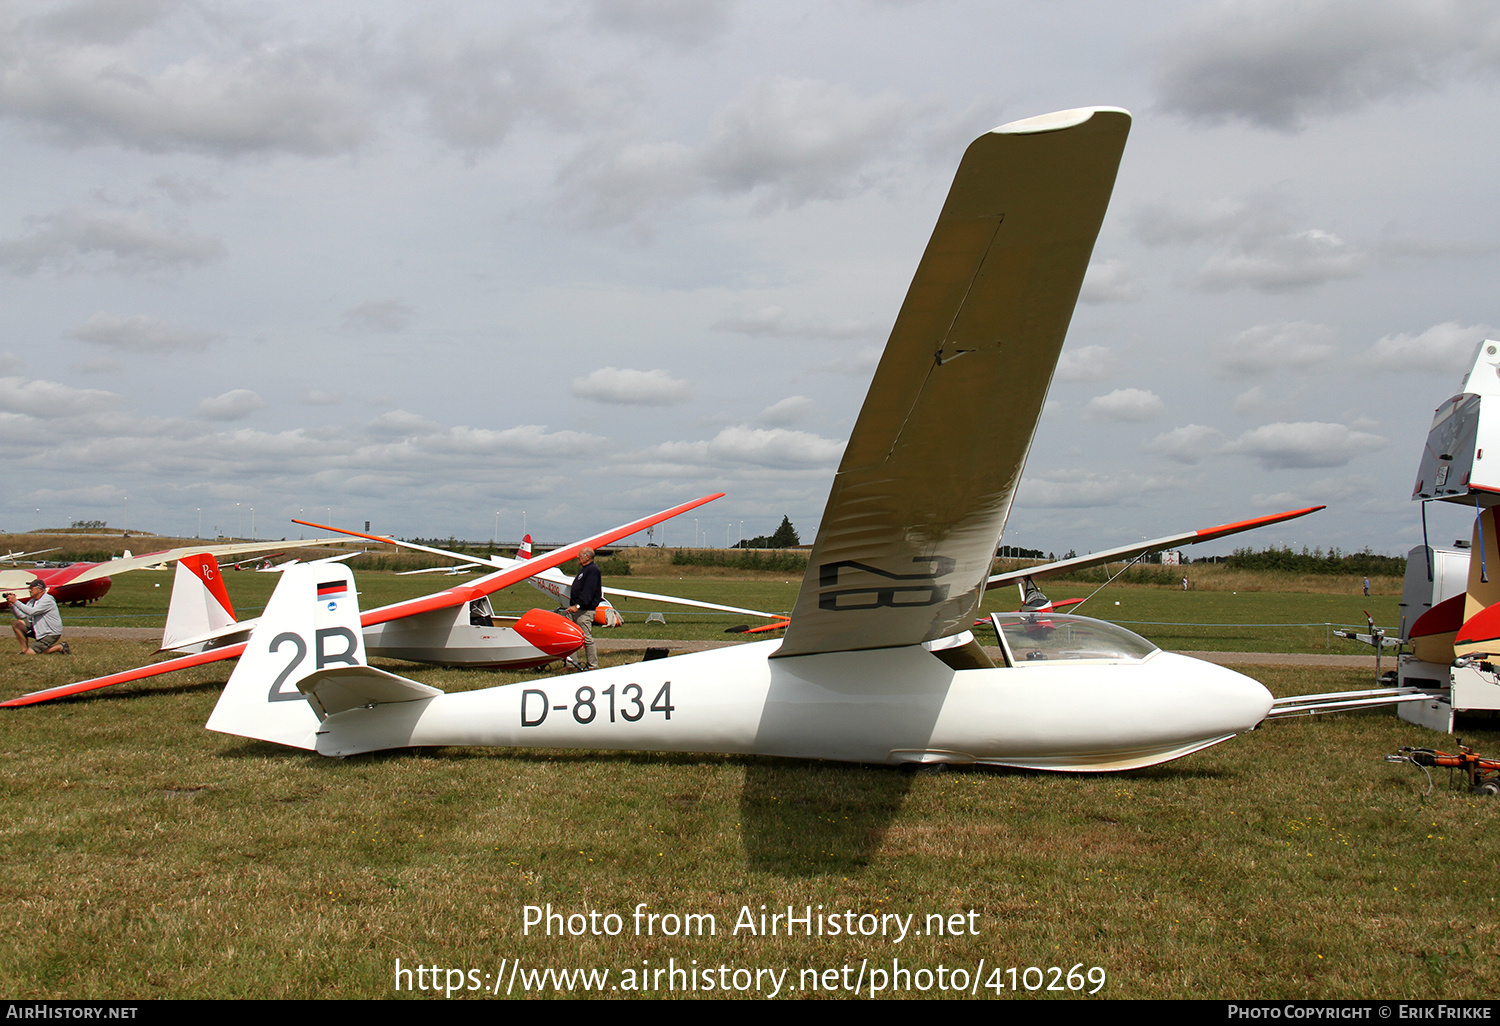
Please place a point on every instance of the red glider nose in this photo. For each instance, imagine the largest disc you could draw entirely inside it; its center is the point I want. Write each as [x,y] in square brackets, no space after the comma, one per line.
[550,633]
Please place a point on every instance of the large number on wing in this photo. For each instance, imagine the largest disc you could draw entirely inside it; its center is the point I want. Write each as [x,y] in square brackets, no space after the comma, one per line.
[894,596]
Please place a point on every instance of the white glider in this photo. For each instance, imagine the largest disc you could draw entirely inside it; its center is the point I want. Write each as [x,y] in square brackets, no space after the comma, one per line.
[878,664]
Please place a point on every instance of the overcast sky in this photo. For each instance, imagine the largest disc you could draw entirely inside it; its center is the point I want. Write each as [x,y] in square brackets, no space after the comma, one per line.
[445,266]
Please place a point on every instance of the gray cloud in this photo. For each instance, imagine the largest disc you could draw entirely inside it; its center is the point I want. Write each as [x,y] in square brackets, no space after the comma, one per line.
[1304,444]
[765,447]
[378,316]
[47,400]
[784,142]
[232,405]
[1260,243]
[241,90]
[1189,444]
[1109,282]
[1277,64]
[800,139]
[1443,348]
[185,77]
[1270,347]
[474,89]
[787,411]
[125,243]
[1282,262]
[1127,404]
[773,322]
[140,334]
[679,22]
[1076,489]
[628,387]
[1086,363]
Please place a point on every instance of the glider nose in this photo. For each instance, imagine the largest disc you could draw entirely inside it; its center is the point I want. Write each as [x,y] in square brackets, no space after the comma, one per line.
[547,632]
[1242,701]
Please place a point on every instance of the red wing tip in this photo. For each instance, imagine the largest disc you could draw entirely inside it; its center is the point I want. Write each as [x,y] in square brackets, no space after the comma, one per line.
[1254,522]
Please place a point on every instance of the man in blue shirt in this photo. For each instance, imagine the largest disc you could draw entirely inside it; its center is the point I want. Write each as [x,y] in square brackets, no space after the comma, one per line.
[586,591]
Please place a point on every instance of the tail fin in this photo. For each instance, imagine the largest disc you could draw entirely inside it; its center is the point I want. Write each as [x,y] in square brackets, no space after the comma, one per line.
[200,604]
[311,622]
[305,662]
[524,552]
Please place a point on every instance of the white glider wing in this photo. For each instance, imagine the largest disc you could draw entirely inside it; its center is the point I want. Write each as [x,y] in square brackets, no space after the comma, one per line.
[1063,566]
[927,480]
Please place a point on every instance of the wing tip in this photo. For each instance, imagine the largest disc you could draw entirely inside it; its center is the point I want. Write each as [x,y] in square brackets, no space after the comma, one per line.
[1055,121]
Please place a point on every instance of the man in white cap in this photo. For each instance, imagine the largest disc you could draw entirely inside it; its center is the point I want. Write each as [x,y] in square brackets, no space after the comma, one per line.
[38,625]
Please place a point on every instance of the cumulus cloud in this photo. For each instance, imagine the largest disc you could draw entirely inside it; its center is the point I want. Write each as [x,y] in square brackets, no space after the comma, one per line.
[1444,348]
[1260,244]
[45,400]
[1086,363]
[140,334]
[401,424]
[787,411]
[185,190]
[167,77]
[784,142]
[235,92]
[777,448]
[378,316]
[125,243]
[1188,444]
[1278,263]
[475,88]
[1296,345]
[773,322]
[1304,444]
[1109,282]
[679,22]
[1127,404]
[235,404]
[628,387]
[1074,489]
[800,139]
[1277,64]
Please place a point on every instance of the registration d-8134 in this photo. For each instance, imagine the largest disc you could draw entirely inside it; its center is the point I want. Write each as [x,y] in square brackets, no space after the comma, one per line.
[590,704]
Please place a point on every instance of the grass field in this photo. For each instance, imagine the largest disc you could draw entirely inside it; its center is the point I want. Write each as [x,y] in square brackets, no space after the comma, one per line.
[146,857]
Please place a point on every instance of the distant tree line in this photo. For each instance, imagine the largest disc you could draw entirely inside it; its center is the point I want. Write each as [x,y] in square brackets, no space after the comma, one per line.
[784,537]
[1313,561]
[1016,552]
[782,561]
[88,524]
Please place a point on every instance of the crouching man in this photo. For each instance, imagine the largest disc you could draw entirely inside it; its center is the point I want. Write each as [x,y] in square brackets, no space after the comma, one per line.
[38,624]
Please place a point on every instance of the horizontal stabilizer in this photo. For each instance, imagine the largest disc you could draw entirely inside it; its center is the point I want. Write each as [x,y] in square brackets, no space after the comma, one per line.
[340,688]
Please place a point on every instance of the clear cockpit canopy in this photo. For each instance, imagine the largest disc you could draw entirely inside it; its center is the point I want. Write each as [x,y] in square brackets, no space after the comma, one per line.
[1035,637]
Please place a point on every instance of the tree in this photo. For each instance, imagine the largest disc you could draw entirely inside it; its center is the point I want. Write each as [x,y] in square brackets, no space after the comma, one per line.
[785,536]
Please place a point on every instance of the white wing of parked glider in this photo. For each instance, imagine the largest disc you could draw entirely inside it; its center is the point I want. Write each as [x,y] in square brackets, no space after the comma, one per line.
[553,582]
[1063,566]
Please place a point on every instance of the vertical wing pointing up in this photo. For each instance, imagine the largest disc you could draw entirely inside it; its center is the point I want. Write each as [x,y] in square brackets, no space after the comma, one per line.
[927,479]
